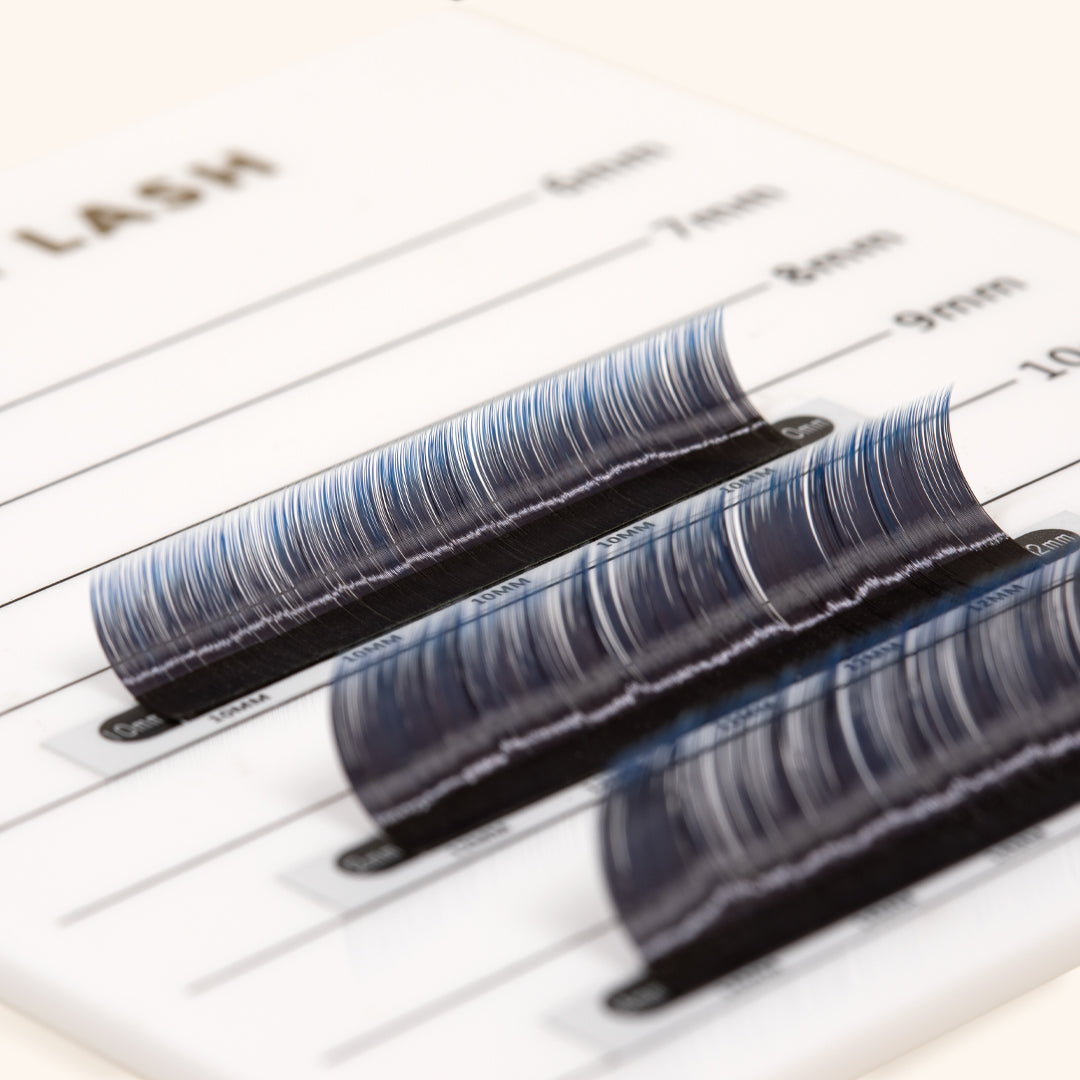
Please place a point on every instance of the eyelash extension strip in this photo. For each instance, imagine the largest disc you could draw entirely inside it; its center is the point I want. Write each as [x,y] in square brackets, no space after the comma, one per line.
[226,607]
[495,702]
[756,826]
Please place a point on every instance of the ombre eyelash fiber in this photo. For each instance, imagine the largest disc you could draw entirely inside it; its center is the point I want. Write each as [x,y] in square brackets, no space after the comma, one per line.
[201,618]
[756,826]
[484,707]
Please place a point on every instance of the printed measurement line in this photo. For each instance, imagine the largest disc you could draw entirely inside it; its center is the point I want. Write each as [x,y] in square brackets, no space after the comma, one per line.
[404,247]
[1036,480]
[734,298]
[345,1051]
[485,306]
[168,874]
[80,793]
[54,690]
[611,1059]
[984,394]
[253,961]
[847,350]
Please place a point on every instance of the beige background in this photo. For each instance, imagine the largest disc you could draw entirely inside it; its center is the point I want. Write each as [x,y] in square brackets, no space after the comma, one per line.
[981,96]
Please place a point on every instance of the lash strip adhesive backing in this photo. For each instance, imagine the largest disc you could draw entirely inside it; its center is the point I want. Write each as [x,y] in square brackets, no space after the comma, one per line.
[495,702]
[760,824]
[199,619]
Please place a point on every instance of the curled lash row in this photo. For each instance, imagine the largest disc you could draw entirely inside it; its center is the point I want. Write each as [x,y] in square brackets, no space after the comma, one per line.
[759,824]
[220,609]
[484,707]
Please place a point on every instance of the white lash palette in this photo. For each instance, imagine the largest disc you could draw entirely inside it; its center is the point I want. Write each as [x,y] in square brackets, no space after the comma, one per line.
[206,308]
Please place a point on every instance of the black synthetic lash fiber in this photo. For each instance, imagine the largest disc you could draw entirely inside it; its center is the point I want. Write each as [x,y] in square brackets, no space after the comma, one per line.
[202,618]
[492,703]
[757,825]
